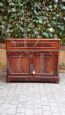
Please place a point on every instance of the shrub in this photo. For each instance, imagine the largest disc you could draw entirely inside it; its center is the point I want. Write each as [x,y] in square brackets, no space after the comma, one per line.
[32,19]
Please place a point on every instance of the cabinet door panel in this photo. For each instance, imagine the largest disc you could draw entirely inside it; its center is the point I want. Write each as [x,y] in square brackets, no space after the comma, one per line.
[44,64]
[25,64]
[18,65]
[49,64]
[39,64]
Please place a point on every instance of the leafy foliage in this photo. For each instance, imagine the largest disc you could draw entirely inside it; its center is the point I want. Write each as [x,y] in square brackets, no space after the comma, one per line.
[32,19]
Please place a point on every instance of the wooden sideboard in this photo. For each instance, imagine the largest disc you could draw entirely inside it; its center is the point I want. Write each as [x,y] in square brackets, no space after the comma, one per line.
[33,60]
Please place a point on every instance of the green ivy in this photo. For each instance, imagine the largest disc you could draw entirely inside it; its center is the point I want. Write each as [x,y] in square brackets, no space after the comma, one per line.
[32,19]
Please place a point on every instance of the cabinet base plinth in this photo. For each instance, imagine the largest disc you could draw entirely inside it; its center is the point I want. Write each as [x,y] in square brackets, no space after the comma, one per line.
[54,79]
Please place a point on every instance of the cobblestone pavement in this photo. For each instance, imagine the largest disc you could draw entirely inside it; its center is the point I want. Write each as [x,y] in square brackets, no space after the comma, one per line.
[32,98]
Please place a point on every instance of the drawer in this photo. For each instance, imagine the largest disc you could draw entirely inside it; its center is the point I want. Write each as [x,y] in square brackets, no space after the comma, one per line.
[32,44]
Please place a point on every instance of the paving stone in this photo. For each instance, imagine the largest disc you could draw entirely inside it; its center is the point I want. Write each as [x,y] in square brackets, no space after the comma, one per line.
[32,98]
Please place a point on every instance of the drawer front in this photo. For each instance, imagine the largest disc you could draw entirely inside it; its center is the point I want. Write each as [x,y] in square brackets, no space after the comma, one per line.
[32,44]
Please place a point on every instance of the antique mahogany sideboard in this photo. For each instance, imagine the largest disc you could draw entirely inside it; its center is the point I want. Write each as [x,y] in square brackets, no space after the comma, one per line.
[32,60]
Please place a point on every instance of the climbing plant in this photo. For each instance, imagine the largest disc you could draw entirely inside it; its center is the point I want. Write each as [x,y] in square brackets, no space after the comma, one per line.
[32,19]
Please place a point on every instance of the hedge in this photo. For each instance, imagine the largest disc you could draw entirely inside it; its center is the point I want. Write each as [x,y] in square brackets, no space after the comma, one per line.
[32,19]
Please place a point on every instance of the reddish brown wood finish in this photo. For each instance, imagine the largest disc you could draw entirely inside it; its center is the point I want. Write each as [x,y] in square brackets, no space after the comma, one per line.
[32,60]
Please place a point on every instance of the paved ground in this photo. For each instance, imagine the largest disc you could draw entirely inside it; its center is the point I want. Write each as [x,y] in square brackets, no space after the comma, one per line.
[32,98]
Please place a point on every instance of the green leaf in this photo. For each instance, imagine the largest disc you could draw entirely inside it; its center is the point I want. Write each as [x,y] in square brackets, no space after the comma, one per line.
[1,4]
[45,34]
[21,28]
[8,30]
[13,10]
[62,7]
[40,21]
[11,4]
[37,5]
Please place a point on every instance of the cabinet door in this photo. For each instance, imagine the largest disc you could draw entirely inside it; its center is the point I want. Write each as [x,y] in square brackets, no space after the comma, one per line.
[45,64]
[18,65]
[37,64]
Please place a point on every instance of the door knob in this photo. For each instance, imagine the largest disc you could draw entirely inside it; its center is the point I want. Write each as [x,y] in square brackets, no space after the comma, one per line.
[33,72]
